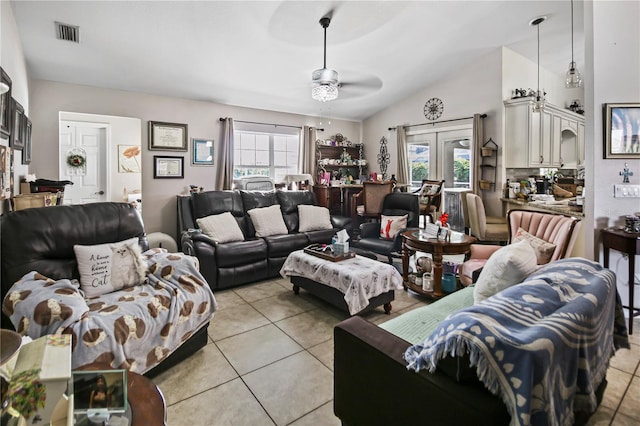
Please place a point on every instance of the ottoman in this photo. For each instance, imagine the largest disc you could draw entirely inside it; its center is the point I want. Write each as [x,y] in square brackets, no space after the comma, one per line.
[354,285]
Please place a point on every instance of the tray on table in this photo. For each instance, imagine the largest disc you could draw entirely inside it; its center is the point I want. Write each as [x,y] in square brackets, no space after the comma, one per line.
[322,252]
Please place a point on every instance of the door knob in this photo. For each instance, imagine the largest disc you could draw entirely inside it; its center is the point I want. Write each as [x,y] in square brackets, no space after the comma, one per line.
[99,193]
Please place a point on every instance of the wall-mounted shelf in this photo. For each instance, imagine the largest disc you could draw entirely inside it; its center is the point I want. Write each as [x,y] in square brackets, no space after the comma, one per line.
[489,165]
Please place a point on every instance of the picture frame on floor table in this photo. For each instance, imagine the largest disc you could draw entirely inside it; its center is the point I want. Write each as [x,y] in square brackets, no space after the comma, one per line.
[168,167]
[99,391]
[202,152]
[167,136]
[622,133]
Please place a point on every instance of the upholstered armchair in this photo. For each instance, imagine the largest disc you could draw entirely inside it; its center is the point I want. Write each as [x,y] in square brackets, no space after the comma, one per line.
[552,236]
[481,226]
[395,204]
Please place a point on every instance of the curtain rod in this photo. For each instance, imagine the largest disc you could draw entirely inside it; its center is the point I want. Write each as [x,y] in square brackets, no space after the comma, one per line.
[268,124]
[441,121]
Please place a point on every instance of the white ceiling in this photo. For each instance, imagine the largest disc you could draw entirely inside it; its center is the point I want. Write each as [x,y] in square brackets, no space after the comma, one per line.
[261,54]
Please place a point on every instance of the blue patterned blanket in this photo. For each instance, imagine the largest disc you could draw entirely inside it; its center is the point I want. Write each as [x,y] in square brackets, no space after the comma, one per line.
[543,346]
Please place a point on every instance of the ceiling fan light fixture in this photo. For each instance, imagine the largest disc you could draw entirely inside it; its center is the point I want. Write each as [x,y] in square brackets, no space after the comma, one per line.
[324,85]
[324,92]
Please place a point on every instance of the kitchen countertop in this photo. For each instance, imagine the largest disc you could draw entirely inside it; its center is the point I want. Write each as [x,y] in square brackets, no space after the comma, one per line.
[558,208]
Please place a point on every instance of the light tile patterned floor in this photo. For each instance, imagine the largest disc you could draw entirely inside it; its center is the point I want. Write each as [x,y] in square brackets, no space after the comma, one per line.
[269,361]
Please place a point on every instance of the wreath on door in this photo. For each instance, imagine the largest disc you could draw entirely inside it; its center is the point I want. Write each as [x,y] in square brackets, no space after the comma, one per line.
[76,161]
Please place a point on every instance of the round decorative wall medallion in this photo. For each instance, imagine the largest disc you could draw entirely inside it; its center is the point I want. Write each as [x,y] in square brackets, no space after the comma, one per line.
[433,108]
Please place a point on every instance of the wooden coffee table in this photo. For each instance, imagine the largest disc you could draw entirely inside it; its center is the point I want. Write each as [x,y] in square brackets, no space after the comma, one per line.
[145,399]
[416,240]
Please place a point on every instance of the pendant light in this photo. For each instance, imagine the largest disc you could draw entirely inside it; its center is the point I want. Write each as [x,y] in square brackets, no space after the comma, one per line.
[573,78]
[539,103]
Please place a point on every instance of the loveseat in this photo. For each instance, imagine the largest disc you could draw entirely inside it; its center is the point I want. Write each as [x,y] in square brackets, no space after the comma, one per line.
[146,327]
[571,300]
[249,258]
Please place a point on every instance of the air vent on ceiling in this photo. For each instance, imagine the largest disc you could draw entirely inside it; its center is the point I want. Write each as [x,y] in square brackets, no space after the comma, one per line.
[67,32]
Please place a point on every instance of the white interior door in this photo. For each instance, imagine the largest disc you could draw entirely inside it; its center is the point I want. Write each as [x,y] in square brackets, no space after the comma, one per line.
[90,181]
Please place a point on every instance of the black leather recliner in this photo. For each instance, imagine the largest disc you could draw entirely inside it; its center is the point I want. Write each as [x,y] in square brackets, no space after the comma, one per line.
[394,204]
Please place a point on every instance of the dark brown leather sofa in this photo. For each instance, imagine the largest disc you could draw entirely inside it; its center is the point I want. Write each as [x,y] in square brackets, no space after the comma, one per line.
[42,239]
[231,264]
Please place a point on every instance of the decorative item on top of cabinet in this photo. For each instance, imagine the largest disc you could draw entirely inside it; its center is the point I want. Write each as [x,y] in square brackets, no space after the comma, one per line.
[488,167]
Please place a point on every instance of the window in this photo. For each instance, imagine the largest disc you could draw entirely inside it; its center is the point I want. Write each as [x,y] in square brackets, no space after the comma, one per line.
[439,155]
[265,154]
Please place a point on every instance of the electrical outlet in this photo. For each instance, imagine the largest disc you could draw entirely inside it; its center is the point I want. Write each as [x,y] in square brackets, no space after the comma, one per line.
[626,191]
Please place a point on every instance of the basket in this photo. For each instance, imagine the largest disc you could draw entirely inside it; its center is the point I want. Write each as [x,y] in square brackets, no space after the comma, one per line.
[40,199]
[485,184]
[487,151]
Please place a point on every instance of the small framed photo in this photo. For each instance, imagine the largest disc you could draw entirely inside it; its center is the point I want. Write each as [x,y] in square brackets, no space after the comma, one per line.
[167,167]
[167,136]
[622,131]
[202,152]
[16,140]
[99,391]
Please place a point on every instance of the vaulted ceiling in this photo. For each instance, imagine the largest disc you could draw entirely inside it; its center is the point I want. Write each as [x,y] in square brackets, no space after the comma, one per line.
[261,54]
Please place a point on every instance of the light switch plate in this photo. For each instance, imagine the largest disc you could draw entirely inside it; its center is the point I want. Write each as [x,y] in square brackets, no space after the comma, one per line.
[626,191]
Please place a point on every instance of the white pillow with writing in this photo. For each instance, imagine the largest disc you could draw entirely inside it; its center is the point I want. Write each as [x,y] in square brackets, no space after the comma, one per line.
[105,268]
[313,218]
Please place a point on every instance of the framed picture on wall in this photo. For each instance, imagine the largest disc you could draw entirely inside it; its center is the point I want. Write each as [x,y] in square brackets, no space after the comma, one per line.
[202,152]
[622,131]
[6,176]
[26,150]
[167,167]
[17,128]
[167,136]
[5,104]
[129,158]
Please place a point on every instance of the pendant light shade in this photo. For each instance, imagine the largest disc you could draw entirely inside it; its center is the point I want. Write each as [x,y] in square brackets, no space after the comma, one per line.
[573,78]
[539,103]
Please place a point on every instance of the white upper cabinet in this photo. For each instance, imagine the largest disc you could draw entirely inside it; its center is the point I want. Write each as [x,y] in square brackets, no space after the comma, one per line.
[550,138]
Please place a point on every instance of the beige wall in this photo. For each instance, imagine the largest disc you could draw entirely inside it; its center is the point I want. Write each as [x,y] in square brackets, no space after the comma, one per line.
[13,62]
[612,75]
[159,195]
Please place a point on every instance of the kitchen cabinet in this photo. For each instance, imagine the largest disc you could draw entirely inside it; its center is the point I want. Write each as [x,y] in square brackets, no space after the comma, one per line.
[552,138]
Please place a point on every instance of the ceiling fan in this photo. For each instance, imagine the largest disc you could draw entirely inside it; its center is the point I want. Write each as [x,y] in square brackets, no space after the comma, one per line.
[324,81]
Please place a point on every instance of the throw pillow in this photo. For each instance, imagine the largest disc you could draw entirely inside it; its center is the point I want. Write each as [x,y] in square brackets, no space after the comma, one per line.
[268,221]
[544,250]
[508,266]
[391,225]
[105,268]
[222,228]
[313,218]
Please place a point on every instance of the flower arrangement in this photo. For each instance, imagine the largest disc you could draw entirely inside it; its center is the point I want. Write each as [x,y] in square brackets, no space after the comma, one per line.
[76,161]
[443,218]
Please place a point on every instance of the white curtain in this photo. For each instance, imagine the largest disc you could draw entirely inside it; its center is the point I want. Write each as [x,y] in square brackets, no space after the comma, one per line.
[306,153]
[478,140]
[402,168]
[224,179]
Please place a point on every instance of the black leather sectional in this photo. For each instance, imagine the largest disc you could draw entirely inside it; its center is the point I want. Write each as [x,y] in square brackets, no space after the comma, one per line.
[256,258]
